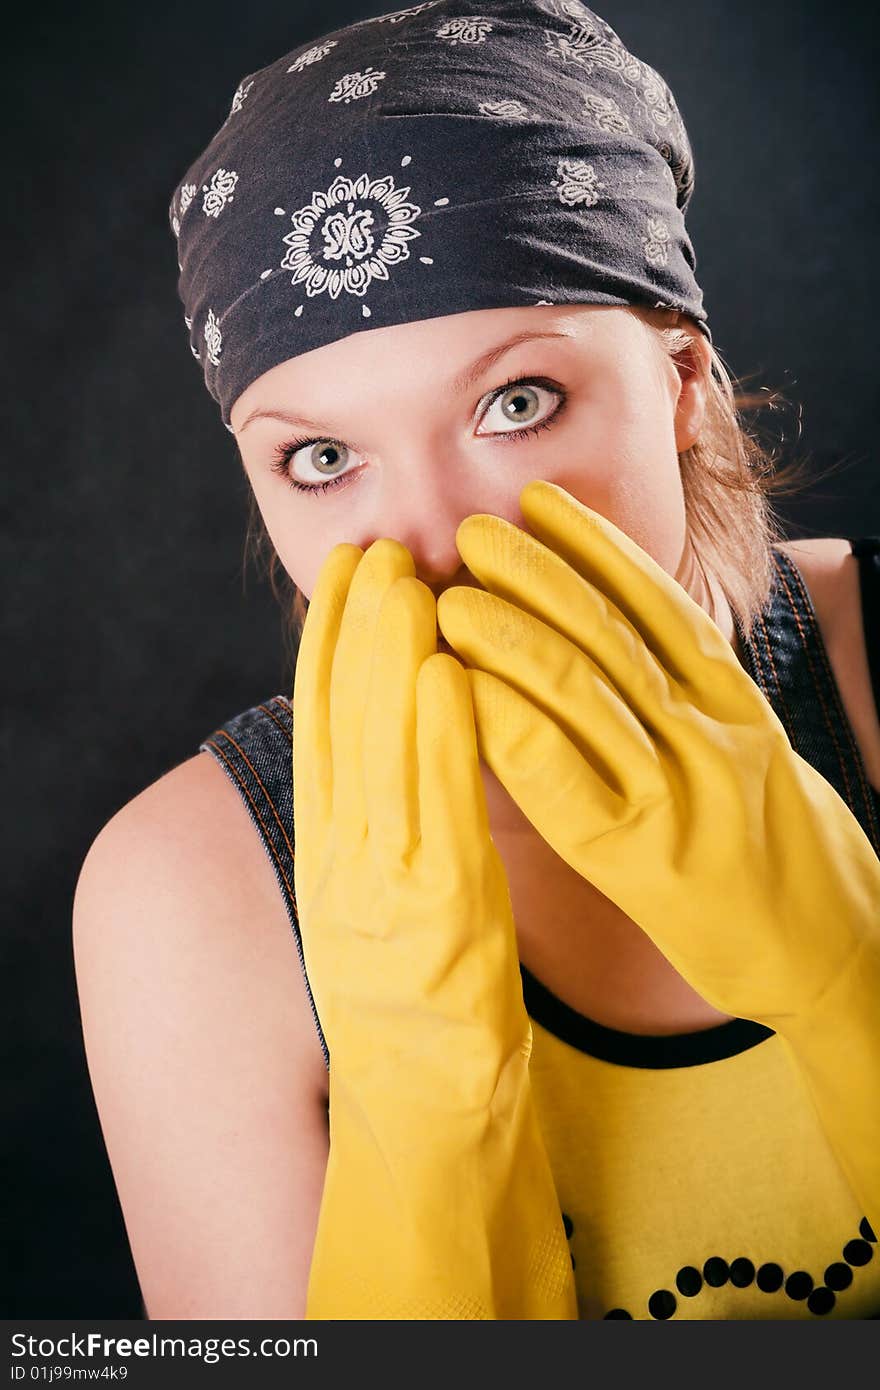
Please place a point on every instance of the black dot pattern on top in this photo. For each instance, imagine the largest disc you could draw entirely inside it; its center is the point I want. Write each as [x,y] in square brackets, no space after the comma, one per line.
[799,1284]
[857,1252]
[769,1277]
[742,1272]
[662,1304]
[716,1272]
[838,1276]
[689,1281]
[820,1301]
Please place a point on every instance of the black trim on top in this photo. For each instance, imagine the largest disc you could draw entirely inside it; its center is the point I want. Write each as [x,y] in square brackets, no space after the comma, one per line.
[637,1049]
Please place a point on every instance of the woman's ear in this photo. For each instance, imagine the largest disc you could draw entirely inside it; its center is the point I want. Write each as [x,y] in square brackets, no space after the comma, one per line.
[693,365]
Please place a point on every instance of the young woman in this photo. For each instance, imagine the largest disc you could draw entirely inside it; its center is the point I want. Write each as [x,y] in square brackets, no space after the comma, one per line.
[578,830]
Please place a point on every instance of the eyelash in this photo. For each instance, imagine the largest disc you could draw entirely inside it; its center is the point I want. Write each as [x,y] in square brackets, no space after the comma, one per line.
[283,454]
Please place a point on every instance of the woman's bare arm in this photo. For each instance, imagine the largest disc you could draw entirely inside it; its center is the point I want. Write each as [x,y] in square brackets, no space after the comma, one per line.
[204,1060]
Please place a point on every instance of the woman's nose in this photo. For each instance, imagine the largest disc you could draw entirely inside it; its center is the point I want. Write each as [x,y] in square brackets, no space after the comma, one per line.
[423,508]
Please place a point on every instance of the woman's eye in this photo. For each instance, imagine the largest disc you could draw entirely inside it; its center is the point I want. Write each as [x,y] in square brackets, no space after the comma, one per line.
[313,464]
[518,406]
[322,459]
[517,409]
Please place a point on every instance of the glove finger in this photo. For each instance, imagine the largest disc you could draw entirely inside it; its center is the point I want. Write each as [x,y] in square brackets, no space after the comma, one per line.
[406,635]
[514,567]
[452,801]
[565,683]
[468,962]
[557,789]
[677,630]
[384,561]
[312,760]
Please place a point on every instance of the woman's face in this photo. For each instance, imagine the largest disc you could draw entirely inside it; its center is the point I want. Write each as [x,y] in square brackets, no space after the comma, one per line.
[414,427]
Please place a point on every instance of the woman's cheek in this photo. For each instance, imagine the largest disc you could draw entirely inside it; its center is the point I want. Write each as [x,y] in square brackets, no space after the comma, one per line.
[303,559]
[296,540]
[304,554]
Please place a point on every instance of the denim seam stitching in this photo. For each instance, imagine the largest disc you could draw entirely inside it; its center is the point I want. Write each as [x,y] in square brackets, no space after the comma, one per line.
[802,612]
[776,685]
[279,723]
[268,798]
[246,790]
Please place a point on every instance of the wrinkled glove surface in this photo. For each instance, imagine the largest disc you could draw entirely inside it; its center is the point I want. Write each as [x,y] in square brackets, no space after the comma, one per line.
[617,716]
[438,1199]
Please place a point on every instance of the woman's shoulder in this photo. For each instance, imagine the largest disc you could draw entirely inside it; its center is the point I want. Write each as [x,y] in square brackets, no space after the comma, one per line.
[181,865]
[832,574]
[191,819]
[207,1074]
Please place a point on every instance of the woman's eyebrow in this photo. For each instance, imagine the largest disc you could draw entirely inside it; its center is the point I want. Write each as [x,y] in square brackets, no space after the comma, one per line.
[472,374]
[466,378]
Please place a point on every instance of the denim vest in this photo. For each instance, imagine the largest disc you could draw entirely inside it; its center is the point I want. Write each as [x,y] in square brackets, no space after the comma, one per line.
[785,656]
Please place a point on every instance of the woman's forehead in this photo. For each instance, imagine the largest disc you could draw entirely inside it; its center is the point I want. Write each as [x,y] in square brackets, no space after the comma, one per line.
[452,343]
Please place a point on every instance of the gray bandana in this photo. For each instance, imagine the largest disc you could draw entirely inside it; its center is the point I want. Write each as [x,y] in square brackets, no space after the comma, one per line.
[429,162]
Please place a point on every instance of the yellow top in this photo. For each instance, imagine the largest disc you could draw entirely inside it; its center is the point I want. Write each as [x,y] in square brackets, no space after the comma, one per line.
[693,1174]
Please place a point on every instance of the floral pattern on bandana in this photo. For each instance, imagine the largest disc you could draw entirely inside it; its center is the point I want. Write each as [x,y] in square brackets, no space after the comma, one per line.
[606,114]
[656,243]
[654,95]
[471,30]
[567,9]
[574,47]
[186,196]
[312,55]
[589,47]
[355,85]
[349,235]
[512,109]
[213,339]
[576,182]
[593,46]
[398,15]
[219,192]
[241,92]
[595,128]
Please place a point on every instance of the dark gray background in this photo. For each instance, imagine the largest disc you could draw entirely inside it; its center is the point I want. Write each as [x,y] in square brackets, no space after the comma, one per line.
[129,635]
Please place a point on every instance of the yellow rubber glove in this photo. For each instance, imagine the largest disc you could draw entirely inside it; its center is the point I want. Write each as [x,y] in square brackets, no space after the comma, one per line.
[438,1199]
[619,719]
